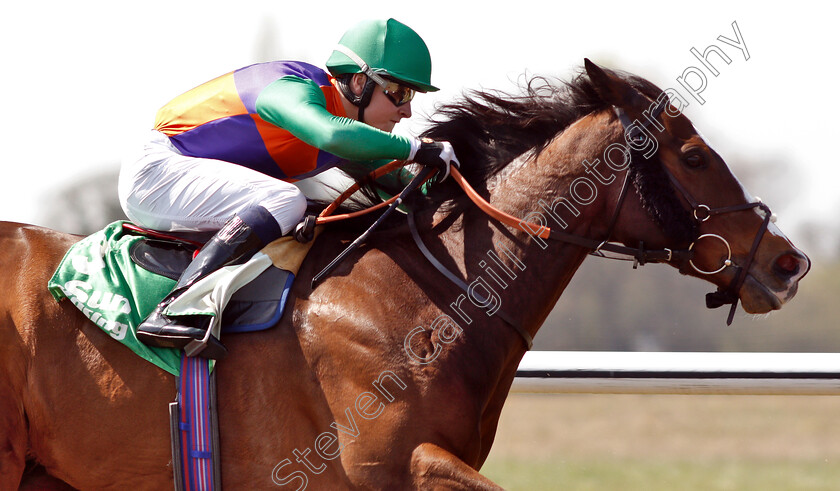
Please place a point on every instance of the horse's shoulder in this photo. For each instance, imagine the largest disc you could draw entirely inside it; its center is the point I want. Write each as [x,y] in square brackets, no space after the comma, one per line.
[32,248]
[34,234]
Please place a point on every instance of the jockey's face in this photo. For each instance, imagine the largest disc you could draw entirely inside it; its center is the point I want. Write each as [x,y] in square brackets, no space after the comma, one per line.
[382,113]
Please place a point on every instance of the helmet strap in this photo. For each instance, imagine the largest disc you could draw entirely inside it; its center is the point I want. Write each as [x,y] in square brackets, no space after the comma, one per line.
[364,67]
[362,100]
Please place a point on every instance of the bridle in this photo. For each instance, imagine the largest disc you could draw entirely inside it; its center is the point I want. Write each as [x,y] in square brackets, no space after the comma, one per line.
[702,213]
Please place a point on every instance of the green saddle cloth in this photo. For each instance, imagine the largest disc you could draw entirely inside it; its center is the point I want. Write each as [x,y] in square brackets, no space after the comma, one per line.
[98,276]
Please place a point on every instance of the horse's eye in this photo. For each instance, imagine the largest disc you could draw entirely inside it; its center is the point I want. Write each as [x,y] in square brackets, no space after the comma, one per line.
[695,160]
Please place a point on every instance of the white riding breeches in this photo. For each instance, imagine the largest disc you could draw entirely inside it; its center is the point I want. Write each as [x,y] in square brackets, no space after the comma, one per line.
[161,189]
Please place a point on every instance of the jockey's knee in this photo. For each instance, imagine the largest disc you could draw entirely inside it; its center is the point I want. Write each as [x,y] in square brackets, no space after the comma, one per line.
[289,210]
[298,207]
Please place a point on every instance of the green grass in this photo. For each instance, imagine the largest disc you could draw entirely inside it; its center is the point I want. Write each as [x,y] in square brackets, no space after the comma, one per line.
[667,442]
[640,475]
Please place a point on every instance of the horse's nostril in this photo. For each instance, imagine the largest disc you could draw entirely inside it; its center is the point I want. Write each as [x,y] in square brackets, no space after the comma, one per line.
[787,265]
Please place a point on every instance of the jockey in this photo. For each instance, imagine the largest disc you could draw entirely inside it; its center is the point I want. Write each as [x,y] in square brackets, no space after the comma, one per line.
[221,155]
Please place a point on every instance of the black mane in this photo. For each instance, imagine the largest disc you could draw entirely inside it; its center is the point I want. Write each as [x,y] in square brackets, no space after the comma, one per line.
[490,129]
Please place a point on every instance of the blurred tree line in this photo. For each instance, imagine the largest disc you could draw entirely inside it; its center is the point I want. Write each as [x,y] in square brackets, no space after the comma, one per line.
[608,305]
[84,206]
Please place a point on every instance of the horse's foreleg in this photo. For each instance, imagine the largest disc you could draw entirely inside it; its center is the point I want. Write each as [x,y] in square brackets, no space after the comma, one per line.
[12,442]
[432,467]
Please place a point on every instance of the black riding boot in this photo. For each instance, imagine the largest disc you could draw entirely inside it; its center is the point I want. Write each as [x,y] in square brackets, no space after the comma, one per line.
[236,242]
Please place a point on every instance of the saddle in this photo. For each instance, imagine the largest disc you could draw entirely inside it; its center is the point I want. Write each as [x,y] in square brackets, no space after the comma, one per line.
[118,275]
[256,306]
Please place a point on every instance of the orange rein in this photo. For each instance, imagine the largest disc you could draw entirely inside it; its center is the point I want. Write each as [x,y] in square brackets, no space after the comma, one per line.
[494,212]
[326,217]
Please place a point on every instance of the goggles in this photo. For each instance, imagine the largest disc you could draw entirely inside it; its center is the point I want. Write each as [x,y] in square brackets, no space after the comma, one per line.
[397,93]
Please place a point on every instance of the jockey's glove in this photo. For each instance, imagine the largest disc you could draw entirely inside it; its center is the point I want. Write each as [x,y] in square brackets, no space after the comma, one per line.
[437,154]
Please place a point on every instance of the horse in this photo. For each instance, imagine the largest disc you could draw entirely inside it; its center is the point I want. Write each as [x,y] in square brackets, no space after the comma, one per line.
[386,375]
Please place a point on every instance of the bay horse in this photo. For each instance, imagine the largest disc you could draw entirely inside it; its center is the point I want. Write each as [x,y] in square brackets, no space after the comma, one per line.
[386,375]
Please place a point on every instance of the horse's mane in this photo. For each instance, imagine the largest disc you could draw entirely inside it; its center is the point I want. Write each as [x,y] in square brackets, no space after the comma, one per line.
[490,129]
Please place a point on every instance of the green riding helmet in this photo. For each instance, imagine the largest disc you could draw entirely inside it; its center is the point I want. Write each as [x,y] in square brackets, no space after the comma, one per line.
[384,47]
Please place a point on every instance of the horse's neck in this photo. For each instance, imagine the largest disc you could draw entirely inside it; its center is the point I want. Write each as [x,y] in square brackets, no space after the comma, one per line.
[524,279]
[534,272]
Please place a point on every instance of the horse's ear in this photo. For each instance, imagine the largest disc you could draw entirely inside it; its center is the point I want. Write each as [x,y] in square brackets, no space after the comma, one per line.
[596,74]
[610,88]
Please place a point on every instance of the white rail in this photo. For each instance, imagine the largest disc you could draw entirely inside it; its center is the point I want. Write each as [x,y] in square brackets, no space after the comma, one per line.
[678,373]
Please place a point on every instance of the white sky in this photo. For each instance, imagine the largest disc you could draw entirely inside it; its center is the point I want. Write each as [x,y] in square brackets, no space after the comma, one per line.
[81,79]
